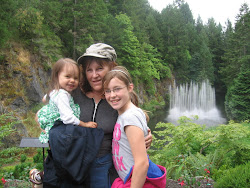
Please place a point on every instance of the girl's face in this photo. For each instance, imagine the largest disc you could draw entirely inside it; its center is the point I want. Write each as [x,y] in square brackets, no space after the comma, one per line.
[117,95]
[95,73]
[68,78]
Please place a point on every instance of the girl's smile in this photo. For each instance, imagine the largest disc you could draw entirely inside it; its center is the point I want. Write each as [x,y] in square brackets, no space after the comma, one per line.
[117,95]
[69,78]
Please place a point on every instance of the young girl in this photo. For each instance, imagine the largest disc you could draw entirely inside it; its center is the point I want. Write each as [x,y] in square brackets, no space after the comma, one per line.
[128,147]
[64,79]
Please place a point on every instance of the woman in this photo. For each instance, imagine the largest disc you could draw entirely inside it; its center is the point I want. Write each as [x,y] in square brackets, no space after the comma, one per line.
[95,63]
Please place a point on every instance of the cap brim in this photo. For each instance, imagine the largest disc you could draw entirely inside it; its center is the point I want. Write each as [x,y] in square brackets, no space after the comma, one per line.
[79,60]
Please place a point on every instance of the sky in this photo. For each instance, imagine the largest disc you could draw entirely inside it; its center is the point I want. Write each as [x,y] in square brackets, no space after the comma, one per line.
[220,10]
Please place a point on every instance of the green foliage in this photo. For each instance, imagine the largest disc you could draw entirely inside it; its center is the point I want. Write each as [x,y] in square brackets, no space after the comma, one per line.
[139,57]
[48,45]
[8,23]
[153,105]
[184,138]
[23,158]
[237,177]
[38,158]
[3,33]
[6,125]
[21,171]
[30,21]
[233,142]
[237,47]
[32,28]
[188,149]
[9,155]
[145,39]
[238,95]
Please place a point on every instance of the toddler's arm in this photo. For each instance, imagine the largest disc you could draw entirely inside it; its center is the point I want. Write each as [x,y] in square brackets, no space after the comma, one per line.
[88,124]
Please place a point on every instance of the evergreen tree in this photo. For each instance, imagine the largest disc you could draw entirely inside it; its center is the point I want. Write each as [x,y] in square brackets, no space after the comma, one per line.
[153,31]
[89,24]
[237,46]
[8,23]
[141,60]
[238,96]
[216,46]
[236,69]
[175,38]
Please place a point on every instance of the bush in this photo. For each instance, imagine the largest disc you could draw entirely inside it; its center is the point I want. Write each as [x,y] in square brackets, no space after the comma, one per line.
[21,171]
[38,158]
[189,150]
[23,158]
[238,177]
[9,155]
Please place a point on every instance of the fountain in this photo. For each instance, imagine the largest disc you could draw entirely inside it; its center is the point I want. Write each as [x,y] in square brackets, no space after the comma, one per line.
[194,99]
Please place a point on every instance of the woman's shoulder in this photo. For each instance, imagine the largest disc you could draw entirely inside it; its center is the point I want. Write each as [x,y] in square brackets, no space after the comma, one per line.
[77,94]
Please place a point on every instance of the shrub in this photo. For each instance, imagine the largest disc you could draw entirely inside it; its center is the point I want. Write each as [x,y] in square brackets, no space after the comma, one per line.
[23,158]
[188,149]
[9,155]
[238,177]
[21,171]
[38,158]
[7,121]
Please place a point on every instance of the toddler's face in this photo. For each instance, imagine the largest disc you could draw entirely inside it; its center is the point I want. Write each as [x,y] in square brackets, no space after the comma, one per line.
[69,78]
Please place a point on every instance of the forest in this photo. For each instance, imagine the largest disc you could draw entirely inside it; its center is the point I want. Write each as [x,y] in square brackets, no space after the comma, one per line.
[154,46]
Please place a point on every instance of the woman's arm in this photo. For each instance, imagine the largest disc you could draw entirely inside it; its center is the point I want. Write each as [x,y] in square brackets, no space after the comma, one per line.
[137,143]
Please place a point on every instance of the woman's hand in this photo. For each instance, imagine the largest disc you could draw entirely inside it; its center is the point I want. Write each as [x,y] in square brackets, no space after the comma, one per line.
[148,139]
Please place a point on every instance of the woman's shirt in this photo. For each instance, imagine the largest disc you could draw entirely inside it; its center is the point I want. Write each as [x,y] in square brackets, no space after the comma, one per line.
[122,155]
[102,113]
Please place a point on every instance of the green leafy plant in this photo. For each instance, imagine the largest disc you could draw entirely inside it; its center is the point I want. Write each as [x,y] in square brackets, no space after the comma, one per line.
[190,150]
[38,158]
[237,177]
[23,158]
[7,121]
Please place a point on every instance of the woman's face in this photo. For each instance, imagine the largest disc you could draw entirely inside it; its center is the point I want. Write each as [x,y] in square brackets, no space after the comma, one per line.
[95,73]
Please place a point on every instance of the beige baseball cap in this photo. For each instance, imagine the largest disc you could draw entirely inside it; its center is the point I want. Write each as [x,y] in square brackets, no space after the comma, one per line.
[100,50]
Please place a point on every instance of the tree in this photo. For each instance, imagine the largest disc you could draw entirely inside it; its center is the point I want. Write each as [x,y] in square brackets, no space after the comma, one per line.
[237,47]
[7,23]
[217,48]
[238,96]
[176,52]
[154,33]
[140,59]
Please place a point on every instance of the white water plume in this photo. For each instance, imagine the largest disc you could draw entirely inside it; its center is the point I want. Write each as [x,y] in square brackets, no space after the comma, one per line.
[194,99]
